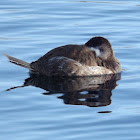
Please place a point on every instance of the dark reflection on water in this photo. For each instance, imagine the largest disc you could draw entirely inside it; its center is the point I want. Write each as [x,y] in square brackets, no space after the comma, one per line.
[89,91]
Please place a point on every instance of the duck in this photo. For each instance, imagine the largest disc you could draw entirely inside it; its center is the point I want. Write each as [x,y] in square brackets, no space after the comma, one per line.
[95,57]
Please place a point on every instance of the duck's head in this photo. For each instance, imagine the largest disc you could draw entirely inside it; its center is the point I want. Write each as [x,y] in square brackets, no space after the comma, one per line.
[102,47]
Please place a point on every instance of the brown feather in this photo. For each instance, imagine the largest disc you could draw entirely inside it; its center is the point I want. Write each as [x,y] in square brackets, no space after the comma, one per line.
[79,53]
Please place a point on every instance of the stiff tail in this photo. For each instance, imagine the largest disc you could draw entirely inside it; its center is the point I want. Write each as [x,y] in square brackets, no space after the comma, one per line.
[18,62]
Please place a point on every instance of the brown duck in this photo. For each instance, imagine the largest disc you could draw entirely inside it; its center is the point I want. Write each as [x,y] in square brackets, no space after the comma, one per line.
[95,57]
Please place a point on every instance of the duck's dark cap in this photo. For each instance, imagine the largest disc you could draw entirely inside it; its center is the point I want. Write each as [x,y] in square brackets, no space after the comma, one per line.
[97,41]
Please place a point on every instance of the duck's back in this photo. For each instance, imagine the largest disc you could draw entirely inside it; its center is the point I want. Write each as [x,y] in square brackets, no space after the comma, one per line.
[77,53]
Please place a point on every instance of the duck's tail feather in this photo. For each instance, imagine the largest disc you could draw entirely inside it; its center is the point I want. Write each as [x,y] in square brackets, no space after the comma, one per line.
[18,62]
[14,88]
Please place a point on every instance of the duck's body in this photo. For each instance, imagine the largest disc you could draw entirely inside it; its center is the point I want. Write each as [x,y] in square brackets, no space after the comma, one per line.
[96,57]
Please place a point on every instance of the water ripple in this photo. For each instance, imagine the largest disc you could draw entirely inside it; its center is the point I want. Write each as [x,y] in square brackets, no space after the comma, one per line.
[29,29]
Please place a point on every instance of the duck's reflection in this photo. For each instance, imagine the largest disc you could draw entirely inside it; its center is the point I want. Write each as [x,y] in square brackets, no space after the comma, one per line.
[90,91]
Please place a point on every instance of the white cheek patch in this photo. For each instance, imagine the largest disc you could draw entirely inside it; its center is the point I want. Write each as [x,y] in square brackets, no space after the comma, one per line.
[97,51]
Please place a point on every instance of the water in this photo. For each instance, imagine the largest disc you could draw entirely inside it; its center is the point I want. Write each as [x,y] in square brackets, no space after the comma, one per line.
[28,29]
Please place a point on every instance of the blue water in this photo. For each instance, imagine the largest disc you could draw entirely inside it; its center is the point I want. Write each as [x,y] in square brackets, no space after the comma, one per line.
[29,29]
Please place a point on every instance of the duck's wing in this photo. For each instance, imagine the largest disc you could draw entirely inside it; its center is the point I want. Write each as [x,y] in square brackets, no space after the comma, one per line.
[59,66]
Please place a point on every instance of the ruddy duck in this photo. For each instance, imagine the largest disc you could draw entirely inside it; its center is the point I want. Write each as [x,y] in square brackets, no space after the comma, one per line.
[95,57]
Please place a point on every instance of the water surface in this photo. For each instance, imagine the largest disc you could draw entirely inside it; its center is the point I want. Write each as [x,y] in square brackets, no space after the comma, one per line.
[31,28]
